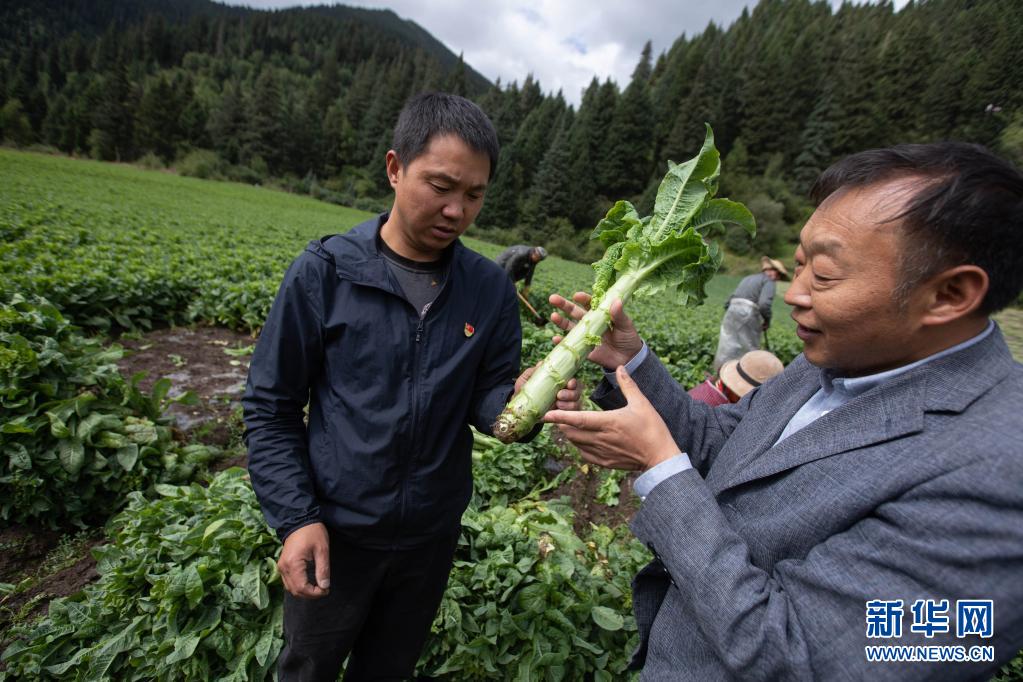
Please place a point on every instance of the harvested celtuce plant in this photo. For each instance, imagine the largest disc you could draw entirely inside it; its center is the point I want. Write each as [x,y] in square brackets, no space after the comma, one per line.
[664,254]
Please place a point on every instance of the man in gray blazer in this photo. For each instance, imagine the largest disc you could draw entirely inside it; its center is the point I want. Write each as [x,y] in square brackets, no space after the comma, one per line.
[871,495]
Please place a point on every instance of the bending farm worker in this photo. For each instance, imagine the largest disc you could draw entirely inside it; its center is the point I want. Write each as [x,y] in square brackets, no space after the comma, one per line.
[748,312]
[519,262]
[738,377]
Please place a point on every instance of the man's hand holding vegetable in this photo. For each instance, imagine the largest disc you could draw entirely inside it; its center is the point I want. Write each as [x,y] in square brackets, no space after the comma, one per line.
[568,398]
[635,437]
[664,254]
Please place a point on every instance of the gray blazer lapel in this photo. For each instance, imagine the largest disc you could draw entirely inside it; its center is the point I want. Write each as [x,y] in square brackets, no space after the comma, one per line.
[879,415]
[894,409]
[770,408]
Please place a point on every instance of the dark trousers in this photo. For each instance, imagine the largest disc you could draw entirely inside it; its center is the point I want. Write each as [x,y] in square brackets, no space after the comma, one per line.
[379,609]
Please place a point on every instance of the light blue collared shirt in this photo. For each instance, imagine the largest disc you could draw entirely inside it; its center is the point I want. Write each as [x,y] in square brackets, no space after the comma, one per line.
[834,392]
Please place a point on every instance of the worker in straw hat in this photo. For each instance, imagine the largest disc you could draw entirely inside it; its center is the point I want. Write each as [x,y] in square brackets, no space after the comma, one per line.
[748,312]
[737,378]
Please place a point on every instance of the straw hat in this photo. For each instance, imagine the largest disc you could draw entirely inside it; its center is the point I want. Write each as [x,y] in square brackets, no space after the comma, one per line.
[752,369]
[766,262]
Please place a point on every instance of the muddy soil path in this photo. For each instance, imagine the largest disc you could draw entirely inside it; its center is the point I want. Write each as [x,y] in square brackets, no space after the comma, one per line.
[210,362]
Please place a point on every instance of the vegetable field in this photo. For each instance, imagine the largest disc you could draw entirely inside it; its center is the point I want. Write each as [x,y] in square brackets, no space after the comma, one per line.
[91,253]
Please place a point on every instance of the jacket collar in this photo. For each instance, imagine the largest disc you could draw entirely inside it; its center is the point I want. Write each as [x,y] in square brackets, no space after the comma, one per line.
[891,410]
[357,258]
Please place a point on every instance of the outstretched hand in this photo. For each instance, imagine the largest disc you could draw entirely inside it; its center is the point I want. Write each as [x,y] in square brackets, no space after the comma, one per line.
[631,438]
[620,342]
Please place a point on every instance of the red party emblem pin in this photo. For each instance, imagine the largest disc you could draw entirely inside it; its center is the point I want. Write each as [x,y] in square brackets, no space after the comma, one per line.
[469,330]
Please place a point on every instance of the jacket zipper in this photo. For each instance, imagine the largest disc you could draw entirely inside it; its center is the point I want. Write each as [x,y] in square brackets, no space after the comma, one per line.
[414,398]
[414,387]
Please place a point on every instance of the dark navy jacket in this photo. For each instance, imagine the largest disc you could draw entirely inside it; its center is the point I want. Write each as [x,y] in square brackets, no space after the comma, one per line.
[386,457]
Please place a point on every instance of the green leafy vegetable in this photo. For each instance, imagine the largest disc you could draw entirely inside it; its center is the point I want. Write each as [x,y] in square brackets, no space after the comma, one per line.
[528,599]
[663,255]
[76,437]
[510,471]
[188,590]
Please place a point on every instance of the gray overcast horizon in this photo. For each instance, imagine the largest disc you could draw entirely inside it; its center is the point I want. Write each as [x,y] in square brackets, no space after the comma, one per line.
[563,43]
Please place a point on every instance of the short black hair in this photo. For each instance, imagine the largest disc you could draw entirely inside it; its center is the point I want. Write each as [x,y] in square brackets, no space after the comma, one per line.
[968,209]
[437,113]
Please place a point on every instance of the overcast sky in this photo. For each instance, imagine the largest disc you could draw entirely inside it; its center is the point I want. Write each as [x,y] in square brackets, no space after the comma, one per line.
[563,43]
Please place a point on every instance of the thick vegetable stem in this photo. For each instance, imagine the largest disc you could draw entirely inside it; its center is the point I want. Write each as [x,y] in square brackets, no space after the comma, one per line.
[539,393]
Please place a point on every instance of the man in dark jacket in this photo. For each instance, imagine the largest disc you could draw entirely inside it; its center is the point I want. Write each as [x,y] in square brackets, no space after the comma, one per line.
[398,338]
[520,261]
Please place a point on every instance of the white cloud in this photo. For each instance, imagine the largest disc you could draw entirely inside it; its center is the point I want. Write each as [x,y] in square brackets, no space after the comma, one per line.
[563,43]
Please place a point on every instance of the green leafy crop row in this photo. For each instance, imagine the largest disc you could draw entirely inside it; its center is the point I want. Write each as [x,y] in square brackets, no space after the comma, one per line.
[512,471]
[188,589]
[76,437]
[120,247]
[530,600]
